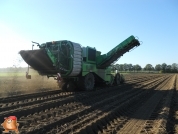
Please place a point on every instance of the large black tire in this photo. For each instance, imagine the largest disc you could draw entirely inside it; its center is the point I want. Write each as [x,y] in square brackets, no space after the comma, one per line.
[62,85]
[87,82]
[122,79]
[112,80]
[67,85]
[70,86]
[117,79]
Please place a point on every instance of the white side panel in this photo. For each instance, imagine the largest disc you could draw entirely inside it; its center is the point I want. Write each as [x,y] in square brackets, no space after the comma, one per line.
[77,59]
[77,56]
[77,52]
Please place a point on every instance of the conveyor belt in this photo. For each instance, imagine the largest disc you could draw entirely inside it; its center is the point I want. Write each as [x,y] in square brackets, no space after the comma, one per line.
[107,59]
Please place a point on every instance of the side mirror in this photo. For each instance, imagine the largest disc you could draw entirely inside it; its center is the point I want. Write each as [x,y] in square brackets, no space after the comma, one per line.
[28,76]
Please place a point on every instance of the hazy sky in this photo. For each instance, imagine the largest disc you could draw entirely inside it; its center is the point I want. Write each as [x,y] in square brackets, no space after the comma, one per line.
[102,24]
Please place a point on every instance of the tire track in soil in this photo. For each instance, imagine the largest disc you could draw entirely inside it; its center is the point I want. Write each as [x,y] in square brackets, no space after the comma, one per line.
[38,107]
[136,78]
[31,101]
[53,104]
[27,96]
[89,102]
[145,111]
[160,120]
[85,113]
[94,113]
[173,127]
[124,114]
[25,100]
[12,102]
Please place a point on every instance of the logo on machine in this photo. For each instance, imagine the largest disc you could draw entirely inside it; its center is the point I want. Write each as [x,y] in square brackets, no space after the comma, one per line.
[10,124]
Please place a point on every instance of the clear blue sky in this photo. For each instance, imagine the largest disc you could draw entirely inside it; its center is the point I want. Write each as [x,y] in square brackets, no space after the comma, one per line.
[97,23]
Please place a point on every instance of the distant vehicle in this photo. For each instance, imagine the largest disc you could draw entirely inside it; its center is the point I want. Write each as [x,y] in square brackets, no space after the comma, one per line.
[77,66]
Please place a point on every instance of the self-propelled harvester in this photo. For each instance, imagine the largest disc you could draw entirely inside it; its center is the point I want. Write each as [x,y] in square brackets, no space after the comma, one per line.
[77,66]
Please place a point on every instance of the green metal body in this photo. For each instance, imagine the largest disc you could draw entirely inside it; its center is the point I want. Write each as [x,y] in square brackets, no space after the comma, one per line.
[60,55]
[73,61]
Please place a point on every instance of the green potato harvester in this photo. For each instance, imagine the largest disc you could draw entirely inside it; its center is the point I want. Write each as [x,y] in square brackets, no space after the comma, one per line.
[80,68]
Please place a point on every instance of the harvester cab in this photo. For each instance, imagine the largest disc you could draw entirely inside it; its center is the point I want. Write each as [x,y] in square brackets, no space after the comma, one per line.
[79,67]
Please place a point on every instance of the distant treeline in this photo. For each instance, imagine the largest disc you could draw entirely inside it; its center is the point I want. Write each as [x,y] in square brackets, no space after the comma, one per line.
[162,68]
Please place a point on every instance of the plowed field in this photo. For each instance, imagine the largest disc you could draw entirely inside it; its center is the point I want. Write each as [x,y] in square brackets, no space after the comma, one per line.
[145,104]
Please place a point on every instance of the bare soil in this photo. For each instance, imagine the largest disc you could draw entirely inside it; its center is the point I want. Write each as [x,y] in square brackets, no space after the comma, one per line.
[145,104]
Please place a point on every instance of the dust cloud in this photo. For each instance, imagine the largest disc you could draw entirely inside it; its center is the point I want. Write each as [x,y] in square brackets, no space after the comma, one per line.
[13,82]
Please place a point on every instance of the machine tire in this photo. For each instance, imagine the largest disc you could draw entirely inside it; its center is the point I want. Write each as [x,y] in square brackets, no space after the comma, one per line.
[112,81]
[62,85]
[88,82]
[117,79]
[122,79]
[70,86]
[67,85]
